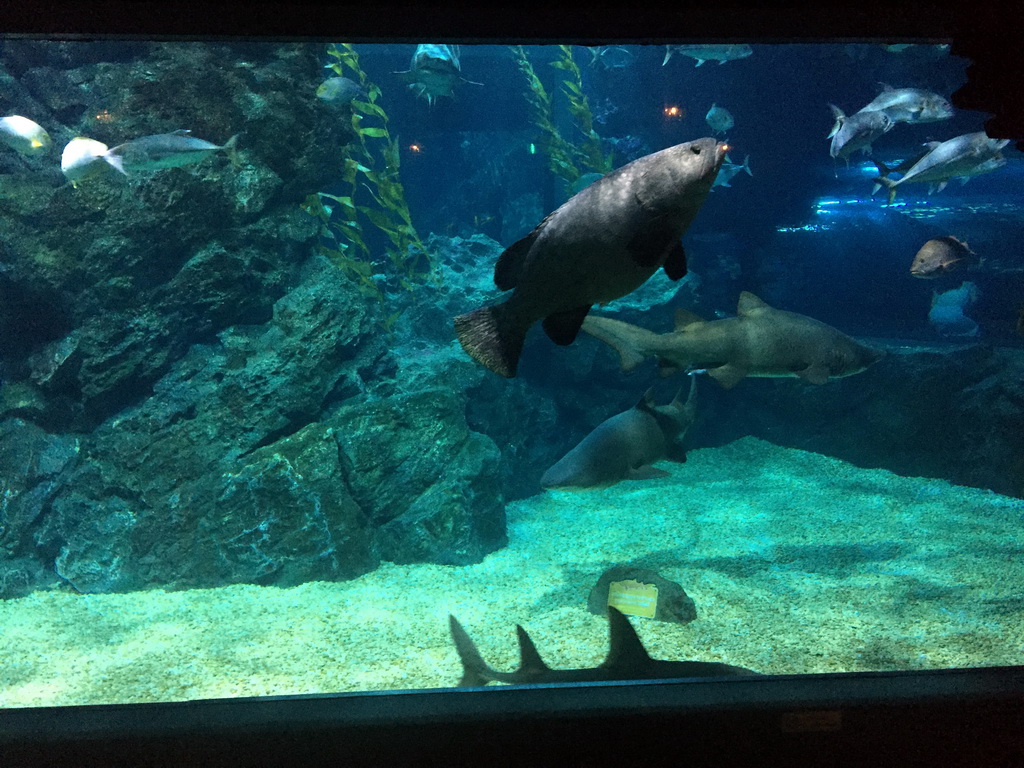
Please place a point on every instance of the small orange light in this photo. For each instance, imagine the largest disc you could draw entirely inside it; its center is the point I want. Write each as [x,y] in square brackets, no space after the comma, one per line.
[415,148]
[726,147]
[672,111]
[104,116]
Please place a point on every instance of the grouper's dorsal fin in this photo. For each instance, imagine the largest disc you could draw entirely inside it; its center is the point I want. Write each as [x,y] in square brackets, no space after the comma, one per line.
[749,303]
[685,317]
[510,263]
[625,650]
[530,662]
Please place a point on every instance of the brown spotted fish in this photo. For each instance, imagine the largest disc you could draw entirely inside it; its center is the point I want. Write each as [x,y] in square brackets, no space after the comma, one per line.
[939,256]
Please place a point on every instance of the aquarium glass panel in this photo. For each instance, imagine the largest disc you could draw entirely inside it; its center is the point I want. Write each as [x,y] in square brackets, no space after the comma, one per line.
[324,366]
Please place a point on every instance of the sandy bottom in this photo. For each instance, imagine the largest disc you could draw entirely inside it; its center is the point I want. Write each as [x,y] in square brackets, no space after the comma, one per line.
[797,563]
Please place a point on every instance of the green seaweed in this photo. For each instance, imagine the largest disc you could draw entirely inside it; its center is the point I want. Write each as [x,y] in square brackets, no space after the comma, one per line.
[370,170]
[565,159]
[589,152]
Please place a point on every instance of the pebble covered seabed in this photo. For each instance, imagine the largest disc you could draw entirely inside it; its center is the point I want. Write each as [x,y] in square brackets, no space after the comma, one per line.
[797,562]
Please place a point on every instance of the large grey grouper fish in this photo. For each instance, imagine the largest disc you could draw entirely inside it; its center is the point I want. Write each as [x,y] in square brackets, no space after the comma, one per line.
[759,341]
[627,660]
[603,243]
[627,445]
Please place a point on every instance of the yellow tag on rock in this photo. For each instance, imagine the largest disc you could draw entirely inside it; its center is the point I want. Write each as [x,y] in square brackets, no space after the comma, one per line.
[634,598]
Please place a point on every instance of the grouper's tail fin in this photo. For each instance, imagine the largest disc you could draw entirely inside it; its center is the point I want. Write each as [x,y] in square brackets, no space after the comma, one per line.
[628,340]
[492,337]
[474,669]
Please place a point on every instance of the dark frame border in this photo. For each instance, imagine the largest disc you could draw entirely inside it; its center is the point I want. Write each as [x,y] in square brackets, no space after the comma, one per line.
[954,716]
[944,717]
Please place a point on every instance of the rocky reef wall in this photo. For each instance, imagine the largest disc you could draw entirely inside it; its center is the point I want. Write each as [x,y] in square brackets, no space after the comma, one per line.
[189,394]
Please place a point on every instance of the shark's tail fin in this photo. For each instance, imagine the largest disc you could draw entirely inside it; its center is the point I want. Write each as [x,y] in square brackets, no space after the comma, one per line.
[230,148]
[630,341]
[689,405]
[493,337]
[839,117]
[881,181]
[475,671]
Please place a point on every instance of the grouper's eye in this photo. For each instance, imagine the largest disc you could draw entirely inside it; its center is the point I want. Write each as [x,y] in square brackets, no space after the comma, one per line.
[695,150]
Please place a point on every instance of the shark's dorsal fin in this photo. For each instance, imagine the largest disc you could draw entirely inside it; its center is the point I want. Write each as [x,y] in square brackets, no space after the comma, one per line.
[530,661]
[749,303]
[475,670]
[685,317]
[647,401]
[691,395]
[625,649]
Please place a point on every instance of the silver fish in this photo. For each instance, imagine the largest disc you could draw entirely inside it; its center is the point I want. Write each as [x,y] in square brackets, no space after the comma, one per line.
[857,131]
[702,53]
[434,70]
[26,136]
[611,57]
[164,150]
[730,169]
[961,157]
[910,105]
[719,118]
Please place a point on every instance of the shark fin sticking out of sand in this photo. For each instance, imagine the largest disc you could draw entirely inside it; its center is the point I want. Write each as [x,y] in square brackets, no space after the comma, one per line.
[627,445]
[627,660]
[759,341]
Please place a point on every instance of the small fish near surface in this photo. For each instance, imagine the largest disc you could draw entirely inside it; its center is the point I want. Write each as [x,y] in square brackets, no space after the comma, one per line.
[910,105]
[627,660]
[611,57]
[628,444]
[729,170]
[857,131]
[710,52]
[760,341]
[434,71]
[25,136]
[719,119]
[939,256]
[602,243]
[961,157]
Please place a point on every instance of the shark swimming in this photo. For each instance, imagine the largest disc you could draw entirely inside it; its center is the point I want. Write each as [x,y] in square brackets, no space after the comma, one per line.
[759,341]
[627,660]
[627,445]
